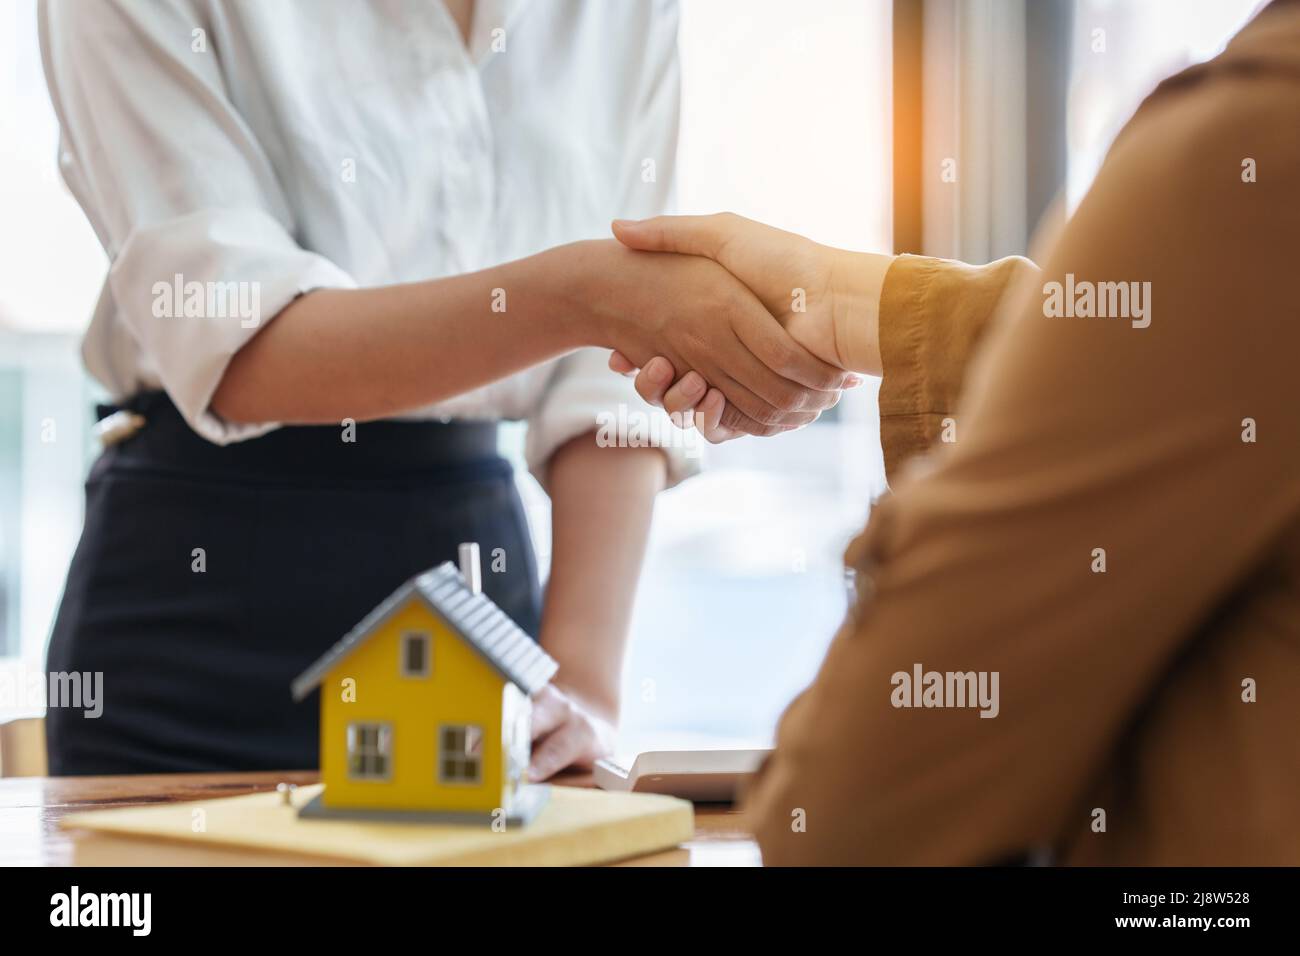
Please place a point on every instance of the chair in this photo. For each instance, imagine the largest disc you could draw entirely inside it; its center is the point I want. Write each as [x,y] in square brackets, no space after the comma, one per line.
[22,748]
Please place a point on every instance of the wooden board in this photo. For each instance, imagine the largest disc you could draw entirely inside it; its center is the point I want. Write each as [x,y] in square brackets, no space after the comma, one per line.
[577,827]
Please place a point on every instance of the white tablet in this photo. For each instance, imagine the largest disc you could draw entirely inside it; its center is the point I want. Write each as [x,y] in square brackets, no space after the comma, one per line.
[704,776]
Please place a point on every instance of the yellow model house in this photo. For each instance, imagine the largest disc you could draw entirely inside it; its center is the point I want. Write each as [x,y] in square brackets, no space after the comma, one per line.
[425,710]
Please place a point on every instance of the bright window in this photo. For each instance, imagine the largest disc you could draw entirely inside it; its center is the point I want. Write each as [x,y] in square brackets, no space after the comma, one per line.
[51,267]
[1121,51]
[785,118]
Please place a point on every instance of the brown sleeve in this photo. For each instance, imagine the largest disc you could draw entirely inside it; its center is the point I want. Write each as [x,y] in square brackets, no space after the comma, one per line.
[1076,434]
[933,313]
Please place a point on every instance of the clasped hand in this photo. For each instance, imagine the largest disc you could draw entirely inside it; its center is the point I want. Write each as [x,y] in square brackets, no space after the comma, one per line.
[824,299]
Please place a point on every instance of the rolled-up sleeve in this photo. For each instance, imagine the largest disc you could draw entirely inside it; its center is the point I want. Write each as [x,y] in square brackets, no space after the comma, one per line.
[585,396]
[933,315]
[183,197]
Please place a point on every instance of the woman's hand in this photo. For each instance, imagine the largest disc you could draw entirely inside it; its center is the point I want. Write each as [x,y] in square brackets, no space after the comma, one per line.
[697,315]
[827,299]
[566,733]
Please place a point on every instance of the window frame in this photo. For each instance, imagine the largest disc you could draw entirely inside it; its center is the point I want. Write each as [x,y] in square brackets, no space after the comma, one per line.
[383,748]
[461,755]
[403,660]
[983,84]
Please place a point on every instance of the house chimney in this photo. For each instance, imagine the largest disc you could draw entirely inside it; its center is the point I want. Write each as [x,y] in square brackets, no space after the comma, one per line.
[469,568]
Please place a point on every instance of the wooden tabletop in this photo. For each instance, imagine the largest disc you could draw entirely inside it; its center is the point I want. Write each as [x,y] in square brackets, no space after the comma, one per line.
[32,807]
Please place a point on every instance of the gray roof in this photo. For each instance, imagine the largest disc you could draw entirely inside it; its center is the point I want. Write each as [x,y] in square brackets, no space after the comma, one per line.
[483,625]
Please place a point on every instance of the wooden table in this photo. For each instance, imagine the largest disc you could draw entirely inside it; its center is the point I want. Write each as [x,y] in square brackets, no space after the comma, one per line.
[31,808]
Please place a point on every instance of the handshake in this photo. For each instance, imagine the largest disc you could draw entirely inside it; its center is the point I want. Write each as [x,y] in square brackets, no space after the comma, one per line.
[756,330]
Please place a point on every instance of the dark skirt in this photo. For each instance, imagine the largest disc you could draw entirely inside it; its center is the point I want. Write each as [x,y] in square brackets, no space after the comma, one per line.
[208,577]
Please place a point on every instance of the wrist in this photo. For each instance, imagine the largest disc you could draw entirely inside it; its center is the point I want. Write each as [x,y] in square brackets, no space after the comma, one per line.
[598,702]
[576,279]
[576,641]
[857,280]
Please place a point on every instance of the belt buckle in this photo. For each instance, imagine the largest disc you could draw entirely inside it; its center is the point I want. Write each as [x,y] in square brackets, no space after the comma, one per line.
[118,427]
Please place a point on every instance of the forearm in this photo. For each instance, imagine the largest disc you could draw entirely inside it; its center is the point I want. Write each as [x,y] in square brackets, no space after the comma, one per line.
[371,353]
[602,503]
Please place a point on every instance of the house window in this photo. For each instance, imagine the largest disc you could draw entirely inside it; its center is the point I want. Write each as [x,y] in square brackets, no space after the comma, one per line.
[415,654]
[370,751]
[461,756]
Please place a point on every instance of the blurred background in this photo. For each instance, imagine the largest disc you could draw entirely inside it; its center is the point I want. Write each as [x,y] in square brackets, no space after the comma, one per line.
[946,127]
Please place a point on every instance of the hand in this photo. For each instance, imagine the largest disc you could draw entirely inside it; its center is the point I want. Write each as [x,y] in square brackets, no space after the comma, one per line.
[827,299]
[792,276]
[566,734]
[699,316]
[681,399]
[690,401]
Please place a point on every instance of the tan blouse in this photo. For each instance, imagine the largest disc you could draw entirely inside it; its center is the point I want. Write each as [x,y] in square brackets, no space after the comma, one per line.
[1078,626]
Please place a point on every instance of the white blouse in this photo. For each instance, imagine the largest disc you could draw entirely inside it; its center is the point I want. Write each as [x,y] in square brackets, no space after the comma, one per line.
[299,144]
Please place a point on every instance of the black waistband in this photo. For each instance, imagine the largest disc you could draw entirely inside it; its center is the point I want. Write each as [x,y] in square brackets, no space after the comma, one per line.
[382,449]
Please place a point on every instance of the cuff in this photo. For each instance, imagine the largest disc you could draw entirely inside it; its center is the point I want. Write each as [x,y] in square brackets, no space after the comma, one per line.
[585,396]
[195,289]
[933,313]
